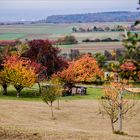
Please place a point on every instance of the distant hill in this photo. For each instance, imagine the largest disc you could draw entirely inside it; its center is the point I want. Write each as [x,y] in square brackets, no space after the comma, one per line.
[122,16]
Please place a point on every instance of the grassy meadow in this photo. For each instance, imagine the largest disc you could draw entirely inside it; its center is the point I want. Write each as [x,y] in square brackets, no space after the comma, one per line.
[32,94]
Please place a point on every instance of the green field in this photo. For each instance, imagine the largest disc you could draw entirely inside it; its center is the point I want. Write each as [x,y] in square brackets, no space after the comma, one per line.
[12,36]
[32,94]
[33,31]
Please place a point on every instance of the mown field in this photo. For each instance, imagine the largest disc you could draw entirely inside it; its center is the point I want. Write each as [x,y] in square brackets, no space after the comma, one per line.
[79,118]
[76,120]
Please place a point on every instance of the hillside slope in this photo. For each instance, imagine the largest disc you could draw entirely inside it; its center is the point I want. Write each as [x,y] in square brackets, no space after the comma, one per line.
[94,17]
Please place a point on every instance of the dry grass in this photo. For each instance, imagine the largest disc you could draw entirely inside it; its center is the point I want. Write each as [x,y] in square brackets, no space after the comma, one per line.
[77,120]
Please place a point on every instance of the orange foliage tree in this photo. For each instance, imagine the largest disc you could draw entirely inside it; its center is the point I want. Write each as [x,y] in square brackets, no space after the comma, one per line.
[18,72]
[82,70]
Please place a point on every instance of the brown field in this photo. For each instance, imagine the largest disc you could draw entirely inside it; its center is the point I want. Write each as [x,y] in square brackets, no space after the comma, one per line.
[92,47]
[77,120]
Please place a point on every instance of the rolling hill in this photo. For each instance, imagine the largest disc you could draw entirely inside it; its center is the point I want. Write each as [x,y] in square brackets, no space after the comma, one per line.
[123,16]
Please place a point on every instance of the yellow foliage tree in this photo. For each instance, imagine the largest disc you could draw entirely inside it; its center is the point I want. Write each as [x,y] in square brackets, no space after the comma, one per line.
[18,72]
[58,88]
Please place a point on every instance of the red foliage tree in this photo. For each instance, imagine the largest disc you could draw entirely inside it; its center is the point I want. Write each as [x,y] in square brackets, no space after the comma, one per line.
[128,66]
[40,72]
[129,69]
[43,52]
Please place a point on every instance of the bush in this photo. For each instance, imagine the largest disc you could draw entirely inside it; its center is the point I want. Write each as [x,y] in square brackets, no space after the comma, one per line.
[67,40]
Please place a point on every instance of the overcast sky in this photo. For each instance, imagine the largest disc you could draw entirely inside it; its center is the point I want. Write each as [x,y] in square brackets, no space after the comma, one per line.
[39,9]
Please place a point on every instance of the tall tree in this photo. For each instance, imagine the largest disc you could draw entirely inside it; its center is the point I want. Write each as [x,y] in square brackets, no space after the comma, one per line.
[4,53]
[132,46]
[40,73]
[18,72]
[82,70]
[43,52]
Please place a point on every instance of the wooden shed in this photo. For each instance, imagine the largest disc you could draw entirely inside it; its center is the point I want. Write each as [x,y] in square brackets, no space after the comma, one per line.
[70,89]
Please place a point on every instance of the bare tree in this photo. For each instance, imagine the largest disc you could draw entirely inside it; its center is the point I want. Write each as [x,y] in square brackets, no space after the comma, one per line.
[116,105]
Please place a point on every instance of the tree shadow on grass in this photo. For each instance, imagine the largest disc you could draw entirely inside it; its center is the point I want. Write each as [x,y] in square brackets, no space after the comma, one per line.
[25,93]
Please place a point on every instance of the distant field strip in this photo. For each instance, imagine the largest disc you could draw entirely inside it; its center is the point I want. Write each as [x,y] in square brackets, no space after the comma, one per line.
[12,36]
[51,31]
[92,47]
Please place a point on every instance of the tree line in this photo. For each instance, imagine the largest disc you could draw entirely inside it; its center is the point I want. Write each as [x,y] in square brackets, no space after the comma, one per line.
[118,28]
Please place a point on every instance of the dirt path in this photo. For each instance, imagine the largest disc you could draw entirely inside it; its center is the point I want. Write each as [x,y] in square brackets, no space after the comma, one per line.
[77,120]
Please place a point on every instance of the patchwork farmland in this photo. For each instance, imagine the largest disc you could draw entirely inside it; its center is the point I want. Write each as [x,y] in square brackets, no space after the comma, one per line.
[55,31]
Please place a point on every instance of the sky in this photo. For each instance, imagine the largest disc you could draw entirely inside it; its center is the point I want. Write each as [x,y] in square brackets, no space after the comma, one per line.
[15,10]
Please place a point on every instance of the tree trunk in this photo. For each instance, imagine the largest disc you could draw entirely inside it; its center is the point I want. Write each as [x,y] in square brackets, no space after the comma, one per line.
[52,110]
[4,91]
[18,88]
[112,126]
[58,104]
[18,93]
[39,88]
[120,112]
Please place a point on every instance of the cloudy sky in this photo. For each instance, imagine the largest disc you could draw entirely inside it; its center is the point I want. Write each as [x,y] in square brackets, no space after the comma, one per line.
[12,10]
